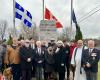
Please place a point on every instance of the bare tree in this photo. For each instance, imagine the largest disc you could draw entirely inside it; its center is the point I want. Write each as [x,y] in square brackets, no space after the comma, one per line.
[29,32]
[67,33]
[70,33]
[3,27]
[10,31]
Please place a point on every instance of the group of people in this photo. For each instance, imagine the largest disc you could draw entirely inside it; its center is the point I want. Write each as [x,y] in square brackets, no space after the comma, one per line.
[85,60]
[50,61]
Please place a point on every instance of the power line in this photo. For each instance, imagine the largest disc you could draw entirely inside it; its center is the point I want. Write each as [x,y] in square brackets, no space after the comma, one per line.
[89,12]
[89,15]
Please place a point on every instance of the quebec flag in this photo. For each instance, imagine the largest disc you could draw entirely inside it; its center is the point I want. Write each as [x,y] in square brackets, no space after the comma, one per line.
[22,14]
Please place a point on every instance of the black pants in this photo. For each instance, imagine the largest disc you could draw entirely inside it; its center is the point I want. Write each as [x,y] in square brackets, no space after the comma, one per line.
[48,75]
[45,76]
[16,71]
[61,75]
[91,76]
[33,71]
[73,70]
[68,70]
[26,74]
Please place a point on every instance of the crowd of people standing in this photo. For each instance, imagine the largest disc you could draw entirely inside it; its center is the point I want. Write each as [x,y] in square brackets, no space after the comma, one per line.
[50,60]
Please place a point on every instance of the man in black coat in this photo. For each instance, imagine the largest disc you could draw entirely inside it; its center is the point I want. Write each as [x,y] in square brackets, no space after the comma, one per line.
[39,61]
[60,60]
[90,60]
[26,55]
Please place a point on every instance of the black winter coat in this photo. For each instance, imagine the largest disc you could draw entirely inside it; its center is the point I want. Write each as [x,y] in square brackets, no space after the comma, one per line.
[60,60]
[91,58]
[26,53]
[49,62]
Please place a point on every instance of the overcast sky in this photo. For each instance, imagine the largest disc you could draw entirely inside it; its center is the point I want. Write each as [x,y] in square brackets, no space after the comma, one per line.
[61,9]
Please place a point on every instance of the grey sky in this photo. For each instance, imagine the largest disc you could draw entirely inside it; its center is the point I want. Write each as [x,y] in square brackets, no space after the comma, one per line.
[61,9]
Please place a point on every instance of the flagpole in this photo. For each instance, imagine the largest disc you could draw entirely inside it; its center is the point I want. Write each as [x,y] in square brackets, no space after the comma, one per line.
[71,11]
[43,9]
[71,18]
[42,15]
[14,18]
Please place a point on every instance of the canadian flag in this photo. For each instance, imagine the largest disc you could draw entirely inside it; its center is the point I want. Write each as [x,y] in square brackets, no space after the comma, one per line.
[50,16]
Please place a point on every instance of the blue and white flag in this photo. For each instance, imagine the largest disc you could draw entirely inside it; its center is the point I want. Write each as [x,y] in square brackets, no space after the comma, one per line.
[22,14]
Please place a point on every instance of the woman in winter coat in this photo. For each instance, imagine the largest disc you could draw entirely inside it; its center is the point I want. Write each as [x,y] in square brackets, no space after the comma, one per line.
[49,63]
